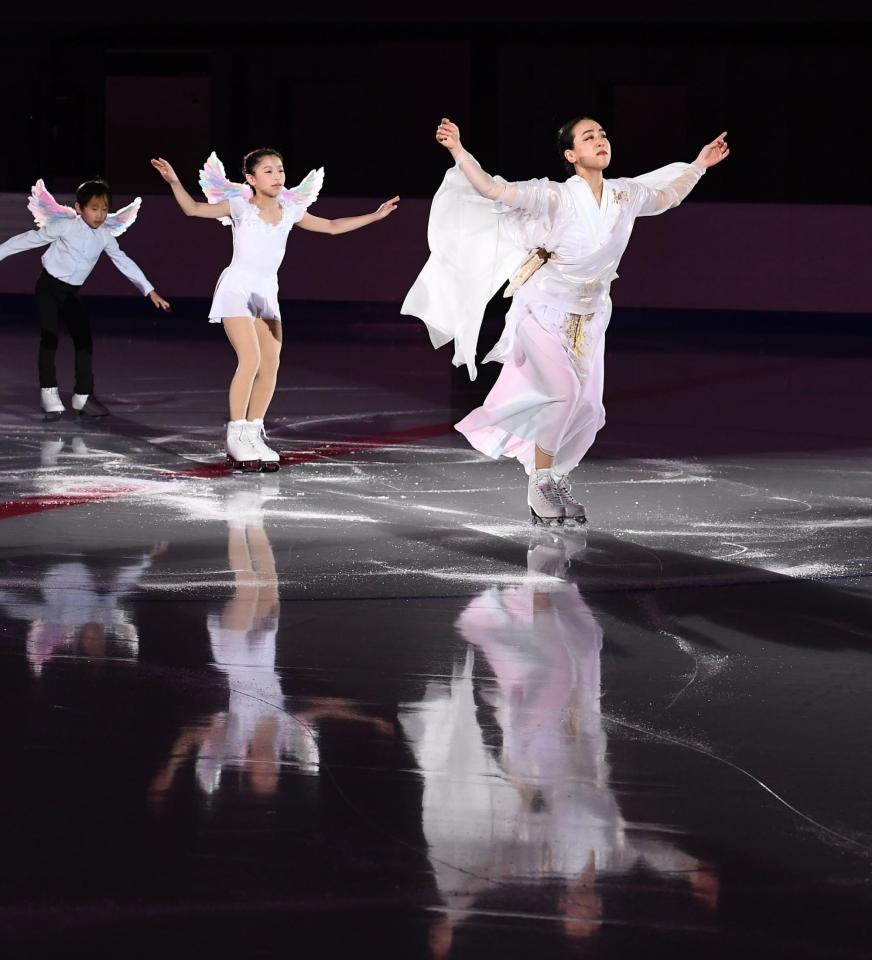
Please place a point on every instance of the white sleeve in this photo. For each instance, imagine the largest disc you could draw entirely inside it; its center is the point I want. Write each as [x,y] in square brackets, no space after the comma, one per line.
[31,240]
[482,182]
[128,267]
[470,259]
[665,188]
[538,200]
[237,208]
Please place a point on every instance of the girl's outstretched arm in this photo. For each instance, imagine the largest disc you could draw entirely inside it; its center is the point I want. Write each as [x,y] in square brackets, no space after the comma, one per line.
[347,224]
[448,134]
[189,205]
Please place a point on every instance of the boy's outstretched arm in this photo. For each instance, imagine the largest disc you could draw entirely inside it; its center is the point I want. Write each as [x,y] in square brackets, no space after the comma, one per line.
[30,240]
[130,270]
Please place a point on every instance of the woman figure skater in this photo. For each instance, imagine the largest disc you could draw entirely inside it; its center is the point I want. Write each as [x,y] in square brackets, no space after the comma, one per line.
[546,405]
[262,213]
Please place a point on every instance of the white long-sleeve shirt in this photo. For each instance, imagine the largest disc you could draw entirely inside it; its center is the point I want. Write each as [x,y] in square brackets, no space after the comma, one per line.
[74,251]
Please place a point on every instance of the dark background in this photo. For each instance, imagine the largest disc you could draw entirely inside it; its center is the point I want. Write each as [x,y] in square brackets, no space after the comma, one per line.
[99,90]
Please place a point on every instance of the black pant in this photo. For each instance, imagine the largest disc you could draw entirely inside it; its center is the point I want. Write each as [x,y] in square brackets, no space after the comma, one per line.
[56,301]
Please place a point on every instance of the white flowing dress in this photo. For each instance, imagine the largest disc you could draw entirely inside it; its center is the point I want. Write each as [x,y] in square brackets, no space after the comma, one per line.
[249,287]
[549,392]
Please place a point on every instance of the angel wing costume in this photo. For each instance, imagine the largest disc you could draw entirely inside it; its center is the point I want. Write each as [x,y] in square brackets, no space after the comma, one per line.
[249,287]
[75,247]
[564,249]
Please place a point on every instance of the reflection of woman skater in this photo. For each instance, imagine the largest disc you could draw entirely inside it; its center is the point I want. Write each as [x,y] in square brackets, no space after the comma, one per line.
[262,213]
[546,405]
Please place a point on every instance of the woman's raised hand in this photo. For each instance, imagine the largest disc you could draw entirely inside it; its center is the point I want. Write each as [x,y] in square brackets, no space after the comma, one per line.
[448,134]
[165,170]
[714,152]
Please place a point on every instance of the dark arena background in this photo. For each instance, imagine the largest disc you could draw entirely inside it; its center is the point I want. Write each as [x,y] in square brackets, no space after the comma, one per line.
[361,706]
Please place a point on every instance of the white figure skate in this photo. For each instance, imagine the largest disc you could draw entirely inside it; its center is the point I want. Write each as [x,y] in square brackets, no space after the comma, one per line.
[52,405]
[242,452]
[572,509]
[543,498]
[269,458]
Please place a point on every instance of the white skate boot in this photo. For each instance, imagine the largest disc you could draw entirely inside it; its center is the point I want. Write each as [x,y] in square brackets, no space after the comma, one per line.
[269,459]
[572,509]
[242,453]
[543,498]
[52,405]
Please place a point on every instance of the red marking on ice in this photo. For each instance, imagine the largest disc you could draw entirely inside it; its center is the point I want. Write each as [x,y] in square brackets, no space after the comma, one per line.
[319,451]
[54,501]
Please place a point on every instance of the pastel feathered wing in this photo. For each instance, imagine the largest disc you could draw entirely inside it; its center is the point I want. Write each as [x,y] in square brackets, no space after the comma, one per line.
[216,186]
[123,219]
[305,193]
[45,209]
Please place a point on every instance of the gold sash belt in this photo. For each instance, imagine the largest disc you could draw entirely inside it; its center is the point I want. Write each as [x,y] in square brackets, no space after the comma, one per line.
[534,259]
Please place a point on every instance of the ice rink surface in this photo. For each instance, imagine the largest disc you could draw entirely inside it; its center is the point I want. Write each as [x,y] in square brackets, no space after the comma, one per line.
[362,705]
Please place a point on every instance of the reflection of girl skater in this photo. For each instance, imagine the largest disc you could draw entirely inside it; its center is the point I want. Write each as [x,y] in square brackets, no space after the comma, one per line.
[546,405]
[262,213]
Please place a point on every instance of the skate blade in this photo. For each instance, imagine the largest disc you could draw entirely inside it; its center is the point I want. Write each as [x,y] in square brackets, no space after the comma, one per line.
[545,521]
[50,416]
[246,466]
[269,466]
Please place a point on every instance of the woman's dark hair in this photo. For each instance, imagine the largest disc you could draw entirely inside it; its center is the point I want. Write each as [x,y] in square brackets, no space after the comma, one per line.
[253,158]
[85,192]
[565,140]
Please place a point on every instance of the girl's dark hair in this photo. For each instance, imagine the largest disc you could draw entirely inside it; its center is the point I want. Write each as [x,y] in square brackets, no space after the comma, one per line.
[85,192]
[253,158]
[565,138]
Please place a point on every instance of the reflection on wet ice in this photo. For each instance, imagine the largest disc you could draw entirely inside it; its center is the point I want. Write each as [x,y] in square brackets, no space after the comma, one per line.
[516,776]
[254,735]
[80,609]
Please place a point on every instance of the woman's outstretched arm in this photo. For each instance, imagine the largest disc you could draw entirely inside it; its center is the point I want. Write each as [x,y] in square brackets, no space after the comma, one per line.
[189,205]
[661,198]
[448,134]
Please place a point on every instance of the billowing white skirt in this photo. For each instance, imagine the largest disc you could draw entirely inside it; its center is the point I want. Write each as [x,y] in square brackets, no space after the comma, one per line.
[243,294]
[549,392]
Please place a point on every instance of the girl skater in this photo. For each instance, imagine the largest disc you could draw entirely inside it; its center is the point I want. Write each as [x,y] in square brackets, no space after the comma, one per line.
[76,239]
[546,405]
[262,213]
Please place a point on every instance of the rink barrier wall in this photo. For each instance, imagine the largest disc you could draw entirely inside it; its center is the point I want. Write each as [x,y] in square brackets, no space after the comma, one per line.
[703,256]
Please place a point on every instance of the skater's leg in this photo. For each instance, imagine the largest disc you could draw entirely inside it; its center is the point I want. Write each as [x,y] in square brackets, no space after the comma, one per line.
[48,315]
[78,323]
[554,369]
[269,338]
[543,459]
[269,343]
[552,366]
[243,338]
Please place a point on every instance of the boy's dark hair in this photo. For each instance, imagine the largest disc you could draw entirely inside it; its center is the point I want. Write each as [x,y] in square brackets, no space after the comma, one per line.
[85,192]
[253,158]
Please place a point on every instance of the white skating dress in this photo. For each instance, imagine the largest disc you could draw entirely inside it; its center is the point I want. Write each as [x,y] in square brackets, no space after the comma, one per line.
[249,287]
[550,389]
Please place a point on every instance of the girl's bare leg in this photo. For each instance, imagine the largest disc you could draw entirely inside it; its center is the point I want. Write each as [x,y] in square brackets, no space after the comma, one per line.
[269,338]
[244,340]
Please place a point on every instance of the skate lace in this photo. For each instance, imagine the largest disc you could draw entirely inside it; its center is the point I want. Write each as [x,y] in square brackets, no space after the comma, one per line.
[549,492]
[250,437]
[563,488]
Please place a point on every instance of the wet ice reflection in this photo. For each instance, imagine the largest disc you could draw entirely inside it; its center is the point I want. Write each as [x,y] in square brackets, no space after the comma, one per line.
[254,735]
[516,776]
[80,608]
